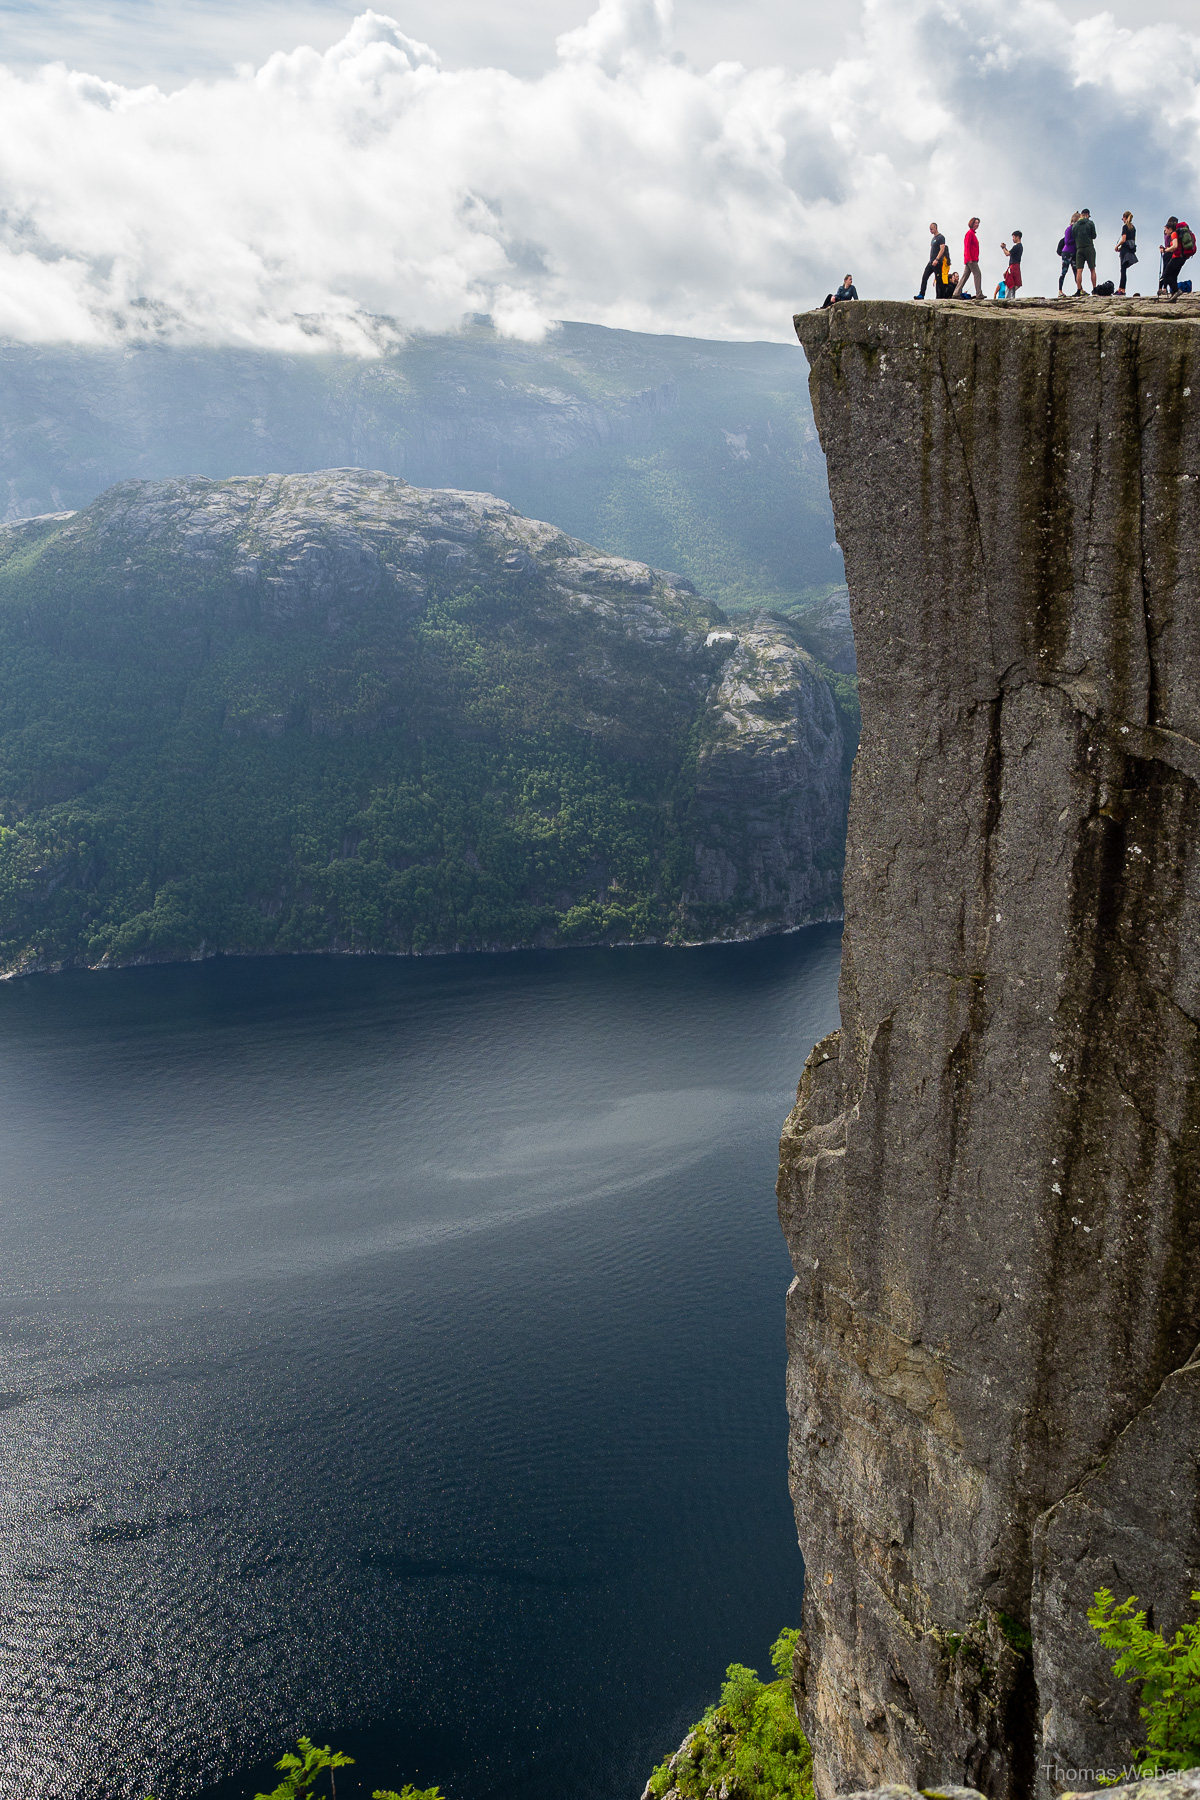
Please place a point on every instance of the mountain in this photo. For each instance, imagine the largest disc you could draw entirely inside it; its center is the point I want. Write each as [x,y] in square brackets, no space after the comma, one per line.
[683,453]
[336,711]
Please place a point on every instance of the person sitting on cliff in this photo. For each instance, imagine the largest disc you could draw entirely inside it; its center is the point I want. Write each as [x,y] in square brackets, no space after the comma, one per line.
[847,291]
[1085,248]
[970,261]
[1011,279]
[936,250]
[1066,249]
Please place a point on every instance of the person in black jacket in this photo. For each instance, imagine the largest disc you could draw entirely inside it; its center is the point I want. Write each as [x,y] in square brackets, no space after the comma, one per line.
[936,247]
[1085,248]
[1126,248]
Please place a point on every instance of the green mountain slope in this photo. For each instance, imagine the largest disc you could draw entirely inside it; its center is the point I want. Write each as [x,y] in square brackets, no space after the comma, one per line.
[333,711]
[684,453]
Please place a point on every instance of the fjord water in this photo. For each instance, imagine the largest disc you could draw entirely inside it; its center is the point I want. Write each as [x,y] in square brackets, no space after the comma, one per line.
[393,1351]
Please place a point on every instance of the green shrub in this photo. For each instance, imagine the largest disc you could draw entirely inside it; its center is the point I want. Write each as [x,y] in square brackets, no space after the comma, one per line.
[301,1774]
[751,1740]
[1169,1674]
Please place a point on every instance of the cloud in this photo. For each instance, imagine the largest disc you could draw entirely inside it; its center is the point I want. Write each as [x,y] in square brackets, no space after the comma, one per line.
[301,202]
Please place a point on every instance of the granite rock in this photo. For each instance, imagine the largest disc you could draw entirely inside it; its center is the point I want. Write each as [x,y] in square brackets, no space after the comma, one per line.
[1183,1786]
[989,1184]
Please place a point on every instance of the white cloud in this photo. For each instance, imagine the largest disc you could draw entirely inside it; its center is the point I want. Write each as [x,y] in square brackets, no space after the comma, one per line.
[622,186]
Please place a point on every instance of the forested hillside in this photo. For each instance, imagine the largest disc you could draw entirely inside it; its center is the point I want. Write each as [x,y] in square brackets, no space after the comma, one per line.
[337,712]
[686,454]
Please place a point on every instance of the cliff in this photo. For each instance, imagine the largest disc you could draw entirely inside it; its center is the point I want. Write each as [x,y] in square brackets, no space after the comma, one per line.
[337,712]
[990,1183]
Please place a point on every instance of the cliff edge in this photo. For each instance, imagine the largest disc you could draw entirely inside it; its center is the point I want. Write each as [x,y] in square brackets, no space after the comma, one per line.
[989,1184]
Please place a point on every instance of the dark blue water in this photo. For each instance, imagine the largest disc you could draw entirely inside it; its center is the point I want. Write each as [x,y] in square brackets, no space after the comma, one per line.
[392,1351]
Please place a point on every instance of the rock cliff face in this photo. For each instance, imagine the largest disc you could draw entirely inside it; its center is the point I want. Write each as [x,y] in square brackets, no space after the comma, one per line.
[990,1184]
[335,711]
[1185,1786]
[768,787]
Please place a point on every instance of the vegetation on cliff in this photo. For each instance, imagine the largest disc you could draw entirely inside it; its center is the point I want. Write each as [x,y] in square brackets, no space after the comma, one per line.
[336,712]
[1169,1672]
[303,1777]
[747,1747]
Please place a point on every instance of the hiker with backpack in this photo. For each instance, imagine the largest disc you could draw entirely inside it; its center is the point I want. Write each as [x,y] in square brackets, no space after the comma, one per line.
[1085,248]
[1126,247]
[1066,249]
[1011,278]
[970,262]
[1178,244]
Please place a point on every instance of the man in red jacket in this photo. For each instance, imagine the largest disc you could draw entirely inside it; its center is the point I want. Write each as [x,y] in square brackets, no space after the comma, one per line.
[970,261]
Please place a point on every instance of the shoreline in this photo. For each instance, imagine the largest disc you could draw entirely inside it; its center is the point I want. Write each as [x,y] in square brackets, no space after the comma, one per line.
[204,954]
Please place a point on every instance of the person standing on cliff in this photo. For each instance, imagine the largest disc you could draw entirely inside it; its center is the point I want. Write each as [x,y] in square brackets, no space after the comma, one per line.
[1172,262]
[970,261]
[1178,244]
[1085,248]
[1012,275]
[936,249]
[1066,249]
[1126,247]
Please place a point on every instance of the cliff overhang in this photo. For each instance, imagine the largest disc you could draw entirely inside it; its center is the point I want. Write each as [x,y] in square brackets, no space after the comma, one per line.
[990,1184]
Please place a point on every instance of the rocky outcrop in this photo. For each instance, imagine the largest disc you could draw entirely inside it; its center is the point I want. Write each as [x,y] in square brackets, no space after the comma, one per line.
[336,711]
[769,783]
[990,1183]
[1160,1787]
[824,627]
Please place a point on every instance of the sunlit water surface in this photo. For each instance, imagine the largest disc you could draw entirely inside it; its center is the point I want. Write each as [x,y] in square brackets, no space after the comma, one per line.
[393,1351]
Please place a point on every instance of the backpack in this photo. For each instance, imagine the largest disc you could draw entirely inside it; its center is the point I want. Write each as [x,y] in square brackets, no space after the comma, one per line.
[1106,287]
[1187,240]
[1062,244]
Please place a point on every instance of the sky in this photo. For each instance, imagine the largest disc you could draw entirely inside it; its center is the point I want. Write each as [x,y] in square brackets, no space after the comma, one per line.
[298,175]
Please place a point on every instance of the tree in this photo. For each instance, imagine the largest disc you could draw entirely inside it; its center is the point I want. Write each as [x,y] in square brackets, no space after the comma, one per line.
[1169,1674]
